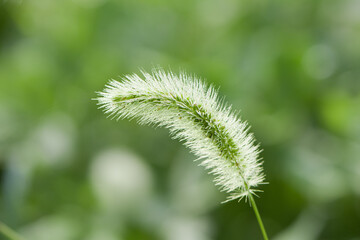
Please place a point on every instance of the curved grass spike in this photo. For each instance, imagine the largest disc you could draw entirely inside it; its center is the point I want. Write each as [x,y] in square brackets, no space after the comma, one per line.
[193,114]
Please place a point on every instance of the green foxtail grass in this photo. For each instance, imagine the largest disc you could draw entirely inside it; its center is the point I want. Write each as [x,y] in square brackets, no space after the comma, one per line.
[193,113]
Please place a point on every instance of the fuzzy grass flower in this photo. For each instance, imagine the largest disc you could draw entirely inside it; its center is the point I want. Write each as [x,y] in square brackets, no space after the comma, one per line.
[194,114]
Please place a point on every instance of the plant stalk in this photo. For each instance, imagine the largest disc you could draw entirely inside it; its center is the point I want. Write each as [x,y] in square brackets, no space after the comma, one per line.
[9,233]
[258,217]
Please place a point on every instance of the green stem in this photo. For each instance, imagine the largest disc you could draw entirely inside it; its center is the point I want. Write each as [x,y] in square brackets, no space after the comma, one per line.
[9,233]
[258,217]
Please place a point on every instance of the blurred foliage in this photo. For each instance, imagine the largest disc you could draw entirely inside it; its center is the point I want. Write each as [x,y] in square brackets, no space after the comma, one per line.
[66,171]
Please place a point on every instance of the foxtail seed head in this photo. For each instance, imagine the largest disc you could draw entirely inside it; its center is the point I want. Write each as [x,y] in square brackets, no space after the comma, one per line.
[192,113]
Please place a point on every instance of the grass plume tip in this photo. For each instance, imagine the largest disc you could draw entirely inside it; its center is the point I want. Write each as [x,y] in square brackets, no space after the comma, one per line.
[193,113]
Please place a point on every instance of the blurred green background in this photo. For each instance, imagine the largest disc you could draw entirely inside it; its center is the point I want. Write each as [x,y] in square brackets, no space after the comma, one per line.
[68,172]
